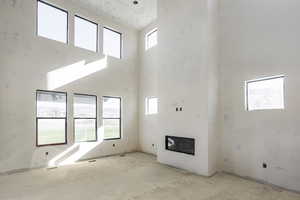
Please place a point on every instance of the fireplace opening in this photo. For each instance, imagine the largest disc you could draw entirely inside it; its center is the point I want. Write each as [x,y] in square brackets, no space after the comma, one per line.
[180,145]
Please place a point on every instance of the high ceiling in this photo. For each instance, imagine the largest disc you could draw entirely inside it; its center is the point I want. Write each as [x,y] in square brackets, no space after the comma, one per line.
[124,11]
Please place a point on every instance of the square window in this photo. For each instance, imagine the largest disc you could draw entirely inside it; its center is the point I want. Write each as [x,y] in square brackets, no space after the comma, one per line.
[51,104]
[151,39]
[112,118]
[264,94]
[85,106]
[111,128]
[85,130]
[112,43]
[51,119]
[111,107]
[51,131]
[151,106]
[86,34]
[85,118]
[52,22]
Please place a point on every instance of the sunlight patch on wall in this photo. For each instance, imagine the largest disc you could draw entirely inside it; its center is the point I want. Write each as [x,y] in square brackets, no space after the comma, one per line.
[68,74]
[76,152]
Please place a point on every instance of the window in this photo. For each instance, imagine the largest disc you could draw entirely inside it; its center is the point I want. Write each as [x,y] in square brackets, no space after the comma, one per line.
[151,39]
[112,118]
[85,118]
[51,120]
[52,22]
[86,34]
[267,93]
[151,106]
[112,43]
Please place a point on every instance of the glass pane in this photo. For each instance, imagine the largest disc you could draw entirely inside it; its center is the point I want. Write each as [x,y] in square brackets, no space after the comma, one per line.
[52,22]
[152,106]
[85,34]
[51,131]
[85,106]
[111,107]
[266,94]
[51,104]
[151,39]
[111,43]
[111,128]
[85,130]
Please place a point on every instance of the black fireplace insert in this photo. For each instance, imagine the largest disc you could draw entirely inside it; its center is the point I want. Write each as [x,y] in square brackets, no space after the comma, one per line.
[180,144]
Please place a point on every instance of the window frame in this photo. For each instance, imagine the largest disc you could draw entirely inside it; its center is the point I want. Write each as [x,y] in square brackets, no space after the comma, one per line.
[58,8]
[147,38]
[76,118]
[259,80]
[97,40]
[37,119]
[110,118]
[121,41]
[147,100]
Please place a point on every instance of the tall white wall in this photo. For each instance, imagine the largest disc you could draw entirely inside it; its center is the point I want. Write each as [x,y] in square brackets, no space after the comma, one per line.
[260,38]
[26,59]
[187,76]
[148,87]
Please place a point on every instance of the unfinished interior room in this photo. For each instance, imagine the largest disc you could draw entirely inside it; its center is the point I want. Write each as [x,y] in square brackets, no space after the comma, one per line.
[149,100]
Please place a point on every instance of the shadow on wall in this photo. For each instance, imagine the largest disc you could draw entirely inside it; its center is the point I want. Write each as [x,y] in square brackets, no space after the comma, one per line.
[68,74]
[76,151]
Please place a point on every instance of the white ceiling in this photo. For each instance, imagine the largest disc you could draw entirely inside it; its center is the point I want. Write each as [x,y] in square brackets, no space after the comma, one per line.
[124,11]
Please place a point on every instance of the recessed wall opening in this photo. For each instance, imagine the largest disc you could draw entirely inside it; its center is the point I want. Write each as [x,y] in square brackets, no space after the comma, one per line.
[265,94]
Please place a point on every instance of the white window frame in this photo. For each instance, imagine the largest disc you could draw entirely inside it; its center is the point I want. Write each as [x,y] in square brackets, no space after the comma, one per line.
[259,80]
[147,106]
[155,30]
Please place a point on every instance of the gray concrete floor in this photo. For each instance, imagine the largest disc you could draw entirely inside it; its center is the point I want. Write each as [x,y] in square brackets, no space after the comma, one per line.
[136,176]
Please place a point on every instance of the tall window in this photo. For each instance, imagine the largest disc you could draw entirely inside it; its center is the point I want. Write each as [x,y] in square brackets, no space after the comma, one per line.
[151,106]
[85,118]
[112,43]
[51,120]
[52,22]
[86,34]
[151,39]
[264,94]
[112,118]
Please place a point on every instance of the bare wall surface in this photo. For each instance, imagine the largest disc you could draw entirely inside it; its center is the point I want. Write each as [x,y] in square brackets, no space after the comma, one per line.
[260,38]
[25,63]
[148,129]
[185,75]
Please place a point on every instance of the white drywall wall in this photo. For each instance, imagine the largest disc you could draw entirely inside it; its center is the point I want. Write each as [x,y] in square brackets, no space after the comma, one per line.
[260,38]
[148,129]
[187,71]
[25,61]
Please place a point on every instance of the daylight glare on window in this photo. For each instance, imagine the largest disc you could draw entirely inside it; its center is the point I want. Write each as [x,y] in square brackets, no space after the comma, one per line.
[52,23]
[265,94]
[151,39]
[86,34]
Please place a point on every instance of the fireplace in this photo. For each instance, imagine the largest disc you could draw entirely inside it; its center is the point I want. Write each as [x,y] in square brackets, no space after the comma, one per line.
[180,144]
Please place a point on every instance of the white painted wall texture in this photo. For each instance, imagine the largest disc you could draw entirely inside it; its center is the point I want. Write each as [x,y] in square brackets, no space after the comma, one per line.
[260,38]
[187,76]
[206,50]
[148,124]
[25,61]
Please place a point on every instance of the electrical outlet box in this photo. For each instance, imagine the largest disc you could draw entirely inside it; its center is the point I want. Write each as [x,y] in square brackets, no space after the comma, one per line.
[265,165]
